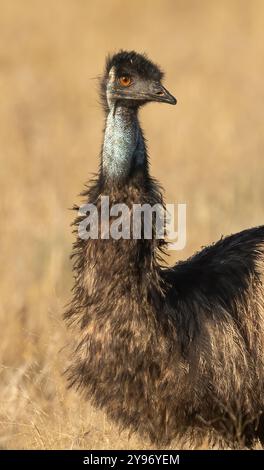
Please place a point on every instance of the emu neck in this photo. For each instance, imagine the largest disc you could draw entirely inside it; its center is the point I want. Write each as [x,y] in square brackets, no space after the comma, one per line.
[123,148]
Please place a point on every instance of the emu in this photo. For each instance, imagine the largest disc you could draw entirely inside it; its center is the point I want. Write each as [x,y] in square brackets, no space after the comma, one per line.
[165,352]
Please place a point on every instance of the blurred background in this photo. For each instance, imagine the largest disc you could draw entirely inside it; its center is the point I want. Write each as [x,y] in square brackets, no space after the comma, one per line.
[207,151]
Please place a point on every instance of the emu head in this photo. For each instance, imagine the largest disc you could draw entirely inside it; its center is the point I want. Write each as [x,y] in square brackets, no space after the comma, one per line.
[131,80]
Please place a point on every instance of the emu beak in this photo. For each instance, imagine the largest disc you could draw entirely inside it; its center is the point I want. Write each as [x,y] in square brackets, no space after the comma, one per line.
[162,95]
[153,91]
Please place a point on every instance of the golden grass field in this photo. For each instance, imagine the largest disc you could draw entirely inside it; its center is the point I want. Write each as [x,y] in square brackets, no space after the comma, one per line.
[208,151]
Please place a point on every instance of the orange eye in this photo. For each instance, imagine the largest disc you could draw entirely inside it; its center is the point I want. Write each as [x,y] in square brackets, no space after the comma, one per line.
[125,80]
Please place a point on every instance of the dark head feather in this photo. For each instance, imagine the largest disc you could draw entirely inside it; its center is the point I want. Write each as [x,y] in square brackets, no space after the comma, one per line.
[130,62]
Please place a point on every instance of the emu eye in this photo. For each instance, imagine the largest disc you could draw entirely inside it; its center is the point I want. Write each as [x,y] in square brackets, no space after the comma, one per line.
[125,80]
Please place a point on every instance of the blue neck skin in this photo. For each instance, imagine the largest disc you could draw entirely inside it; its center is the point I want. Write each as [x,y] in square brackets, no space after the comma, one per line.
[123,148]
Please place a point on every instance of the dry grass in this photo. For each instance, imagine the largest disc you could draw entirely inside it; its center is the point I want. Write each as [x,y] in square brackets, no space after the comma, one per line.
[208,152]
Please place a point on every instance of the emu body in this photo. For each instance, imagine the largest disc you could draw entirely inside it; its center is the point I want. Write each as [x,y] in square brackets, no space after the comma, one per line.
[164,351]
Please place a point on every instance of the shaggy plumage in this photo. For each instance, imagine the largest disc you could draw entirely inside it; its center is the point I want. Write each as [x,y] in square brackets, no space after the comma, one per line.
[167,351]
